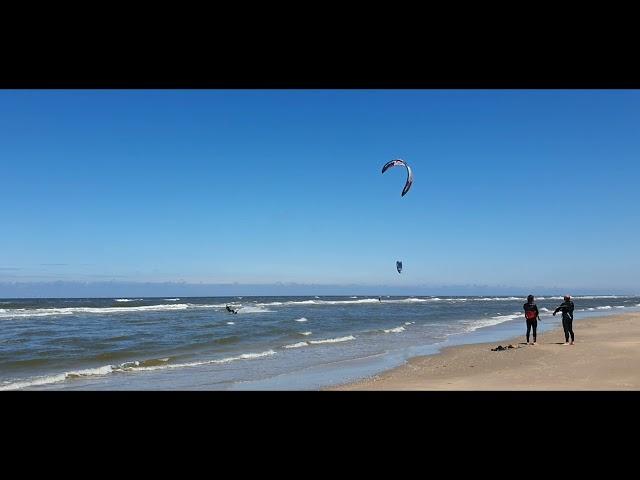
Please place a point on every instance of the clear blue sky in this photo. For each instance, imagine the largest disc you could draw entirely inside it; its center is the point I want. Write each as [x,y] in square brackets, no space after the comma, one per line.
[511,187]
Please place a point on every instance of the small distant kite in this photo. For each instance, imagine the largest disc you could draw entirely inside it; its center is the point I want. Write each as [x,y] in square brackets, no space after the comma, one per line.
[399,266]
[395,163]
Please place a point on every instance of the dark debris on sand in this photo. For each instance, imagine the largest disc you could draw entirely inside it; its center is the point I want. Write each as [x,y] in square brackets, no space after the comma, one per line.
[499,348]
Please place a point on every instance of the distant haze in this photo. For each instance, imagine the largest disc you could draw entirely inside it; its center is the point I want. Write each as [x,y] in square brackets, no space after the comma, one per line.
[169,289]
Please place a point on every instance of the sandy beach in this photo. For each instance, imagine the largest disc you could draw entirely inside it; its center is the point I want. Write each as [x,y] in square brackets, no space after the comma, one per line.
[606,356]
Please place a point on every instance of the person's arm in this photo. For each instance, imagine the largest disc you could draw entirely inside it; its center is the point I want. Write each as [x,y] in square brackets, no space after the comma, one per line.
[538,314]
[557,310]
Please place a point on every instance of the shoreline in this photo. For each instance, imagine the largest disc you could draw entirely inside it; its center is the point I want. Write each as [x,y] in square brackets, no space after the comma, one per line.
[605,357]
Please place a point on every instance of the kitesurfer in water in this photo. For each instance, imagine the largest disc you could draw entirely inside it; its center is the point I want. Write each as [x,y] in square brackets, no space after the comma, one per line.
[231,310]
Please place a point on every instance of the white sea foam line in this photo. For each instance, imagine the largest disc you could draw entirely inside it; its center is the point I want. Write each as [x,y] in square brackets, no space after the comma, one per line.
[507,317]
[58,378]
[297,345]
[129,299]
[42,312]
[606,307]
[333,340]
[598,296]
[124,367]
[472,325]
[34,382]
[250,309]
[231,323]
[497,299]
[343,302]
[301,320]
[394,330]
[244,356]
[305,333]
[171,299]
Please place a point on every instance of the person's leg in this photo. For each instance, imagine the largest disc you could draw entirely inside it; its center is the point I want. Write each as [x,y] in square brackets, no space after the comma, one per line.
[570,325]
[534,324]
[566,331]
[528,329]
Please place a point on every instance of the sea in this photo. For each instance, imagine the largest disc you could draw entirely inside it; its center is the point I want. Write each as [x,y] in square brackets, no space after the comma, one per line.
[271,343]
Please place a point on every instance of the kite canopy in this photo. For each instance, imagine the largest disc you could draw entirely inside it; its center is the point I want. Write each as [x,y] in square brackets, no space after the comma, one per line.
[399,266]
[395,163]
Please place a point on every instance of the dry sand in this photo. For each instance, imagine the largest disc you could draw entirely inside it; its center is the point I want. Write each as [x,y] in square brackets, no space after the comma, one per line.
[606,356]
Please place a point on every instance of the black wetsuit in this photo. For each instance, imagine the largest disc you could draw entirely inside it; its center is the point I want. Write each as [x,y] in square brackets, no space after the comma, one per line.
[531,322]
[567,319]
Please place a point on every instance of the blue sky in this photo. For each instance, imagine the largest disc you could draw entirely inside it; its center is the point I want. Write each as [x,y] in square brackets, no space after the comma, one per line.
[512,187]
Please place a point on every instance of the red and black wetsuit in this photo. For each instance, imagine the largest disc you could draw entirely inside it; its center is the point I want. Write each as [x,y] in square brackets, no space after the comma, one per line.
[531,315]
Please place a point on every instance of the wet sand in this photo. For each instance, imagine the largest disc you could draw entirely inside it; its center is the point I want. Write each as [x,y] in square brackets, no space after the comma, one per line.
[606,356]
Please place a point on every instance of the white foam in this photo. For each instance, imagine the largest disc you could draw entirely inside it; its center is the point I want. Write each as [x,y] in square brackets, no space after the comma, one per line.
[334,340]
[591,309]
[171,299]
[395,330]
[301,319]
[34,382]
[588,297]
[305,333]
[244,356]
[231,323]
[124,367]
[297,345]
[44,312]
[498,299]
[596,296]
[619,306]
[105,370]
[321,302]
[544,309]
[129,299]
[606,307]
[356,301]
[250,309]
[473,325]
[46,380]
[510,316]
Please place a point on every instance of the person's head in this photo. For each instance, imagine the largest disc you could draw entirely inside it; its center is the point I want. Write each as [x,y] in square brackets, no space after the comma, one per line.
[530,299]
[567,298]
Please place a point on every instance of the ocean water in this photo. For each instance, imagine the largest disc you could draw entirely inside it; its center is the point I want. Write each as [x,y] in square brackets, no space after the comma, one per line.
[271,343]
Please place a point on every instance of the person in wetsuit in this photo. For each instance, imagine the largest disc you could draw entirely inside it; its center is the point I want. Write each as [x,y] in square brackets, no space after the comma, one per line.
[532,316]
[231,310]
[567,318]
